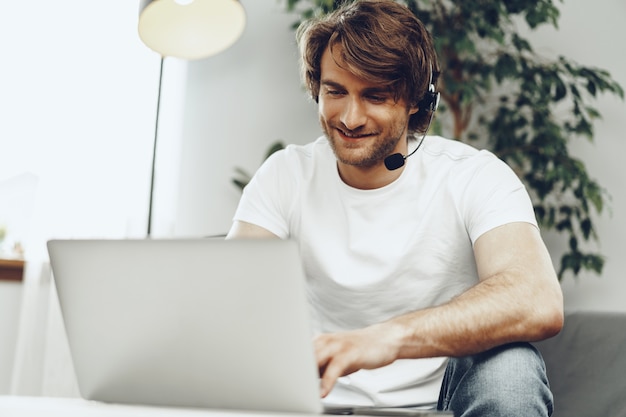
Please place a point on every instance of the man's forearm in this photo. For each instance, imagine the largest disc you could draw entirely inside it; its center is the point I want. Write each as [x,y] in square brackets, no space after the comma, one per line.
[494,312]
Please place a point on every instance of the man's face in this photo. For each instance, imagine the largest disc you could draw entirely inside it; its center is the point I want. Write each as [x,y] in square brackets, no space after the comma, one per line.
[363,122]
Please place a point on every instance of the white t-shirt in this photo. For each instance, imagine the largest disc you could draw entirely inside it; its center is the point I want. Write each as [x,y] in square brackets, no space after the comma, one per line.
[370,255]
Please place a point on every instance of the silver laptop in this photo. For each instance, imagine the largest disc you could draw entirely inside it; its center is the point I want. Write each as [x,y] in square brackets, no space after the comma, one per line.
[189,323]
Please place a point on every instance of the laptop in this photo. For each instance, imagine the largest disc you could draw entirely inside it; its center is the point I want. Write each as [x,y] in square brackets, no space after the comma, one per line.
[202,323]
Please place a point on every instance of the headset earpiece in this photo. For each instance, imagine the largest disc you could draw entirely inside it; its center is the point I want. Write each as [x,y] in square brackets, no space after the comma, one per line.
[430,101]
[433,98]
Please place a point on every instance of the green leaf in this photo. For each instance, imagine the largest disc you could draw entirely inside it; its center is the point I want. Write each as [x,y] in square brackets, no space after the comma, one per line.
[591,87]
[586,227]
[521,44]
[594,262]
[239,183]
[505,67]
[560,90]
[593,113]
[274,147]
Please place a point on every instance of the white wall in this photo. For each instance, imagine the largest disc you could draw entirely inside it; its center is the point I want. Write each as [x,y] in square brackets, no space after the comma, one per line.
[237,103]
[242,100]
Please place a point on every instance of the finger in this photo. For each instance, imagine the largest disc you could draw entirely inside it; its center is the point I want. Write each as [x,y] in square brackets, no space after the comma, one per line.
[323,353]
[329,375]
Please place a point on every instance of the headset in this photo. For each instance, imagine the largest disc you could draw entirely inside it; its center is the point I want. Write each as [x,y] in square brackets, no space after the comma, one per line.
[430,102]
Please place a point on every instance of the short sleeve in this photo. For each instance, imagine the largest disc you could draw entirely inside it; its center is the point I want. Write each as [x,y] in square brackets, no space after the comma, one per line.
[492,195]
[266,201]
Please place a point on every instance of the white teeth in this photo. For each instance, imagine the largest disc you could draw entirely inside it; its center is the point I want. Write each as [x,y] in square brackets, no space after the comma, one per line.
[350,135]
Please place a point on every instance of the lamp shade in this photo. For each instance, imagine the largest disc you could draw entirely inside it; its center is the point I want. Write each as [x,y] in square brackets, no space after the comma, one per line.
[190,29]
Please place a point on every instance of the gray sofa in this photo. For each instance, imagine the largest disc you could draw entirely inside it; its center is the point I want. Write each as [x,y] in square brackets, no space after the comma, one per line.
[586,365]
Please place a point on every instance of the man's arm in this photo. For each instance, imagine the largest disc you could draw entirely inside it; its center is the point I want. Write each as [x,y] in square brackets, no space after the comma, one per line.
[518,298]
[248,230]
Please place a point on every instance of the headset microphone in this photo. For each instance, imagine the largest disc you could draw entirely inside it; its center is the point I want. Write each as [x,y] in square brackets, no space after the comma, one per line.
[394,161]
[431,101]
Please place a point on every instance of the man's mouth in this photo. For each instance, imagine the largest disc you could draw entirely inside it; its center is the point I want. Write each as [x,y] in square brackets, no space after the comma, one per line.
[353,135]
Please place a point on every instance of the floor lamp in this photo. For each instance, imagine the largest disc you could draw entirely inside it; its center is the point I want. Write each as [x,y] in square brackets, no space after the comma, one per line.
[186,29]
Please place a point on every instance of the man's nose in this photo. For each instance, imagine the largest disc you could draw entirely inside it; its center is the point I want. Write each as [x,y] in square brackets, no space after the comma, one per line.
[353,115]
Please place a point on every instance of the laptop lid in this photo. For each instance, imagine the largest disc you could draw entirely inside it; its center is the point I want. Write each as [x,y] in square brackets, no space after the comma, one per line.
[188,323]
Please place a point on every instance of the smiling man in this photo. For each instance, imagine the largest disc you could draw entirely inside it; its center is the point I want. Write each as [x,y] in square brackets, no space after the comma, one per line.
[427,276]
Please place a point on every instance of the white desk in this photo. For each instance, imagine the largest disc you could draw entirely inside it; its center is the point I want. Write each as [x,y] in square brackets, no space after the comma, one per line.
[21,406]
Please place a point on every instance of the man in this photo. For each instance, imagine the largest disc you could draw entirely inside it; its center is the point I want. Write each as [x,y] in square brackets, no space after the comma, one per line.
[436,256]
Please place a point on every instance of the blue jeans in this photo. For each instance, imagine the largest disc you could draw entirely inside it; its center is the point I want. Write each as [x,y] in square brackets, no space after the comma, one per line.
[509,380]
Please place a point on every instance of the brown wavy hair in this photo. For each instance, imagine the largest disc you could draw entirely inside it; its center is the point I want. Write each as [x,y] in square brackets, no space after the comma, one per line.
[379,41]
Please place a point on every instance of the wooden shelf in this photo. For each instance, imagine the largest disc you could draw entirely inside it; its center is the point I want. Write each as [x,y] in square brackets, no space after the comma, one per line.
[11,269]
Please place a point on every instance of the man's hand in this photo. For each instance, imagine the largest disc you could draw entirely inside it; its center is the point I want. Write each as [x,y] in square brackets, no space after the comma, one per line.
[340,354]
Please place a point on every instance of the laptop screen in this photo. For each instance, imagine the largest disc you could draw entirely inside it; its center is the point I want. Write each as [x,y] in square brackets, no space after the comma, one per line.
[188,322]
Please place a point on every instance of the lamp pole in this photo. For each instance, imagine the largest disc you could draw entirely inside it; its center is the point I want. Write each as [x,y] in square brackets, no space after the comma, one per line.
[165,26]
[154,150]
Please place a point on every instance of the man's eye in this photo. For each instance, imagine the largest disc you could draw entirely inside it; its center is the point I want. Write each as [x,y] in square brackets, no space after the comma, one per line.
[377,99]
[334,92]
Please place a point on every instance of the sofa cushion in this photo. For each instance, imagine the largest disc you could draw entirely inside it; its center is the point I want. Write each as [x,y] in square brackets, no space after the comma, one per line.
[586,365]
